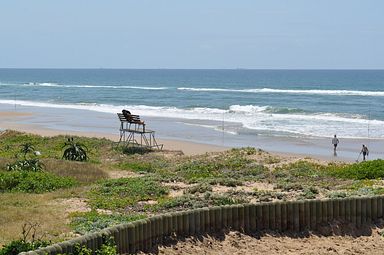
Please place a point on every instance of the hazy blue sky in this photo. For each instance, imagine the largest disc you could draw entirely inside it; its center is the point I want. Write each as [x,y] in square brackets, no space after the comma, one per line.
[292,34]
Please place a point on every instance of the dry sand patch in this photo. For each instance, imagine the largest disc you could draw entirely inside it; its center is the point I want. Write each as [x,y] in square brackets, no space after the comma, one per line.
[353,241]
[122,174]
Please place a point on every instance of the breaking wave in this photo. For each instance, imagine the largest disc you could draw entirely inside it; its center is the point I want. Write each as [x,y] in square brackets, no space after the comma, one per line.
[259,118]
[292,91]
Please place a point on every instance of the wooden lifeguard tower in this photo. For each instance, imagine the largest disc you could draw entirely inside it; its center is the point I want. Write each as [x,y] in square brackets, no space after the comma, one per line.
[134,133]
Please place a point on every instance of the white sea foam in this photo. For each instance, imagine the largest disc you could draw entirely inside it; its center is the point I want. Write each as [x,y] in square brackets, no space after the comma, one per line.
[292,91]
[49,84]
[257,118]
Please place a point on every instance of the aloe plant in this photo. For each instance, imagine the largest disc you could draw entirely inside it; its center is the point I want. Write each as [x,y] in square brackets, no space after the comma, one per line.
[28,163]
[26,149]
[74,151]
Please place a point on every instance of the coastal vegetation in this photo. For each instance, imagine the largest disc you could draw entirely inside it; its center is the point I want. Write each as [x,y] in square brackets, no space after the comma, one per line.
[115,184]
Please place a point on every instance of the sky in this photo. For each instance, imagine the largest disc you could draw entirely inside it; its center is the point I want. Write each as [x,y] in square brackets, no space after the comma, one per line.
[218,34]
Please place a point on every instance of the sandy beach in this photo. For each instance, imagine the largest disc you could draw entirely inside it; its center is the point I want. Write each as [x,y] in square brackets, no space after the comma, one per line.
[10,120]
[175,135]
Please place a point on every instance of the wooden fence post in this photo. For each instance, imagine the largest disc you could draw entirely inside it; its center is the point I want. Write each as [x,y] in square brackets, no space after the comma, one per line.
[350,210]
[290,216]
[284,216]
[230,217]
[131,237]
[247,224]
[272,216]
[374,208]
[265,208]
[368,215]
[241,212]
[252,217]
[192,222]
[296,216]
[358,212]
[330,210]
[224,211]
[186,228]
[302,216]
[198,221]
[278,216]
[336,208]
[219,222]
[212,219]
[235,217]
[324,210]
[313,215]
[380,205]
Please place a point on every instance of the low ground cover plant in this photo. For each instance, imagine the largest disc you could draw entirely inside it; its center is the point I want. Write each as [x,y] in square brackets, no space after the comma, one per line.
[86,222]
[123,192]
[168,181]
[233,164]
[188,201]
[373,169]
[32,182]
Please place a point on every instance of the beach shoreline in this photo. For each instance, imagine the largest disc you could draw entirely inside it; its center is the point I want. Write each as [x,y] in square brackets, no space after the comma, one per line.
[175,135]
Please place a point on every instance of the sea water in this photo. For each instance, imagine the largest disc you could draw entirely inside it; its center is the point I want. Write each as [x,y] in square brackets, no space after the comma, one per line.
[282,103]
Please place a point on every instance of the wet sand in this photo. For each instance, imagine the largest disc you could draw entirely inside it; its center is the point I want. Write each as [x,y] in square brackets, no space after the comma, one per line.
[177,135]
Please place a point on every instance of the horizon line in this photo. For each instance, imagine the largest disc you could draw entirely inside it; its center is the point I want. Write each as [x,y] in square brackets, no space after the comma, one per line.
[261,69]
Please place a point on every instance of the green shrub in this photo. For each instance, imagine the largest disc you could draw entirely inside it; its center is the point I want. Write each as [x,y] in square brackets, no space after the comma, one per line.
[309,193]
[80,250]
[120,193]
[364,170]
[32,182]
[17,246]
[33,165]
[107,248]
[86,222]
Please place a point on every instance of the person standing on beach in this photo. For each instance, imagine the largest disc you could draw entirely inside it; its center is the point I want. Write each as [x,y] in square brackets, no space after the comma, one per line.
[335,142]
[365,151]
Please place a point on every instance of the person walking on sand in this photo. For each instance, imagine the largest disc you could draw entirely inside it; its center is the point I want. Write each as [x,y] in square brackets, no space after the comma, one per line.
[365,152]
[335,142]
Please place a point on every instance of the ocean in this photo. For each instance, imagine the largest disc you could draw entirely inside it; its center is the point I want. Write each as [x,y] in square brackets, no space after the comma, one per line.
[281,103]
